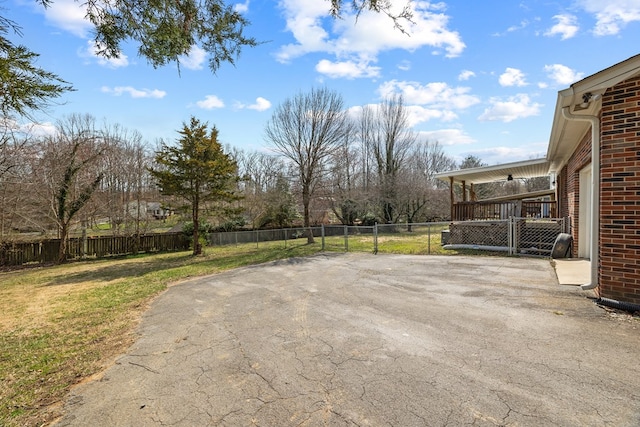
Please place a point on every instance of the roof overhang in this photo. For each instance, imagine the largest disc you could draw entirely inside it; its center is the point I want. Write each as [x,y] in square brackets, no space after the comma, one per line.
[583,98]
[532,195]
[524,169]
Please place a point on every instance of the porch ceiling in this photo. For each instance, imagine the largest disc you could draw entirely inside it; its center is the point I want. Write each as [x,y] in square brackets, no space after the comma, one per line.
[524,169]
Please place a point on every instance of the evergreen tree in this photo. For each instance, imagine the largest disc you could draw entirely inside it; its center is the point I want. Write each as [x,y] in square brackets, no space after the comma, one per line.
[23,86]
[198,170]
[166,29]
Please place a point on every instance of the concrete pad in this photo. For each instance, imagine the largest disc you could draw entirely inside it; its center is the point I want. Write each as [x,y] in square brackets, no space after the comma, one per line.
[573,271]
[372,340]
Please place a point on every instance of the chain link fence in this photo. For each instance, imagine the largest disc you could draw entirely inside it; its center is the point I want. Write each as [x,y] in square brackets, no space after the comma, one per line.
[423,238]
[536,236]
[287,237]
[524,236]
[494,235]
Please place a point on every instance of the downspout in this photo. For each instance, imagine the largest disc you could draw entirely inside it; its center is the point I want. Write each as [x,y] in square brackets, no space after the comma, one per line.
[595,185]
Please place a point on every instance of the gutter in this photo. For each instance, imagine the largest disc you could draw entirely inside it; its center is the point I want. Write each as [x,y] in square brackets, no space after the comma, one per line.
[595,198]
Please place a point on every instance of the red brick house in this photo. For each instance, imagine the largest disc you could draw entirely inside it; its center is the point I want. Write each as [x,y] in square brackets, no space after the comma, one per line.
[594,160]
[594,151]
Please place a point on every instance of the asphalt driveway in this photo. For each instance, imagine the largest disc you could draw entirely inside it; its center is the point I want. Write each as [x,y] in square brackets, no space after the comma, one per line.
[373,340]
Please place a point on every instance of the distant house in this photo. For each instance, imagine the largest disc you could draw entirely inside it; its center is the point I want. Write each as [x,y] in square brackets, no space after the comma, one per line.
[594,159]
[147,210]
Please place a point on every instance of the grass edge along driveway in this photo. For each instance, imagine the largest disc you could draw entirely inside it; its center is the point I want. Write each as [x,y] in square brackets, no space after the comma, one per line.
[60,325]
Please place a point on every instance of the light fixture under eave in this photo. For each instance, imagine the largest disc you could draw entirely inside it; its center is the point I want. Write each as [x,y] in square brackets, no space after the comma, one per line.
[587,99]
[510,177]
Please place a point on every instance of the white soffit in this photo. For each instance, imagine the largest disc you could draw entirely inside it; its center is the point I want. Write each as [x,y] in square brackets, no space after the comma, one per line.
[498,173]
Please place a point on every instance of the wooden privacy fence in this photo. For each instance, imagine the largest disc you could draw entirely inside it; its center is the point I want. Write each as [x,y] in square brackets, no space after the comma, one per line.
[45,251]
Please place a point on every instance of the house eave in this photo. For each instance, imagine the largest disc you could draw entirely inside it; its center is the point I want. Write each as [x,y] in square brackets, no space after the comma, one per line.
[523,169]
[566,134]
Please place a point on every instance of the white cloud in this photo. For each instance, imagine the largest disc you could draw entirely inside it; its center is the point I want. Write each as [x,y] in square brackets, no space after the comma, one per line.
[515,107]
[512,77]
[345,38]
[304,22]
[261,104]
[433,101]
[39,129]
[562,75]
[134,93]
[466,75]
[195,59]
[28,129]
[447,136]
[92,52]
[210,102]
[418,114]
[404,66]
[68,15]
[566,27]
[241,7]
[347,69]
[522,25]
[438,94]
[611,16]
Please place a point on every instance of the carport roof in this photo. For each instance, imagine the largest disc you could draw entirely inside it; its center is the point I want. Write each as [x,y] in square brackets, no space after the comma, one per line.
[523,169]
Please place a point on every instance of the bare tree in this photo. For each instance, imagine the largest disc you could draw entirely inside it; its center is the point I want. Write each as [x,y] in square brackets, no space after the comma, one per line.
[422,196]
[484,190]
[15,174]
[68,171]
[266,189]
[348,194]
[388,139]
[307,129]
[127,183]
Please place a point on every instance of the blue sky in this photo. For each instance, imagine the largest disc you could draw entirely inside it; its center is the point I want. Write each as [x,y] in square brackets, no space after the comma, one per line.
[480,78]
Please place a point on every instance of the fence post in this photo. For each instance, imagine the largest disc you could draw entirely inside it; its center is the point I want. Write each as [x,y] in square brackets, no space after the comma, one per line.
[322,234]
[83,252]
[256,239]
[510,235]
[285,238]
[429,239]
[346,239]
[375,238]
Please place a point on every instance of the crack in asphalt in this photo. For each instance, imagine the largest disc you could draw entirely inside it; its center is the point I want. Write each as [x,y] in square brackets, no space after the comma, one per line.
[144,367]
[370,341]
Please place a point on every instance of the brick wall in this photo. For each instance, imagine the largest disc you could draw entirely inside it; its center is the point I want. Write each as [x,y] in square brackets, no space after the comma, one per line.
[620,193]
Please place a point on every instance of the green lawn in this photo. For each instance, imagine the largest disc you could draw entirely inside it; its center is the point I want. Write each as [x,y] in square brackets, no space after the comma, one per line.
[421,240]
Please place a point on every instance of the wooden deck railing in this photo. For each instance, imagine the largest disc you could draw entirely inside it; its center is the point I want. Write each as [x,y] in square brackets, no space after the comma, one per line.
[468,211]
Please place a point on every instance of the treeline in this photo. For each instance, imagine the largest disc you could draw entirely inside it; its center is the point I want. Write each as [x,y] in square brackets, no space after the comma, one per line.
[324,164]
